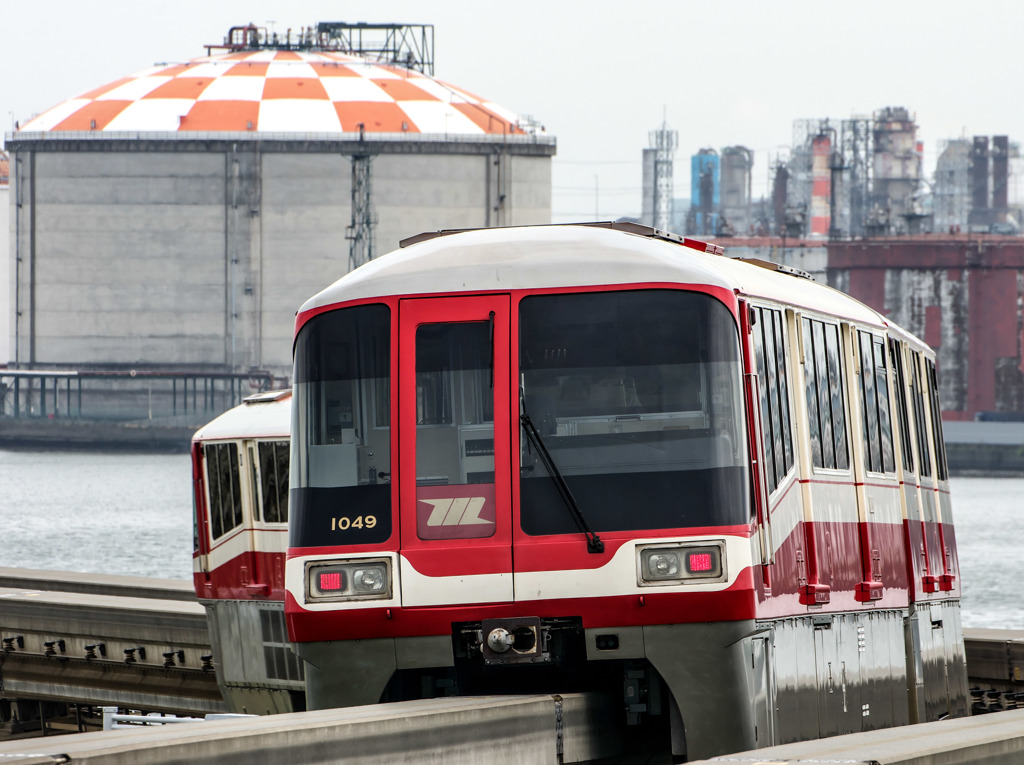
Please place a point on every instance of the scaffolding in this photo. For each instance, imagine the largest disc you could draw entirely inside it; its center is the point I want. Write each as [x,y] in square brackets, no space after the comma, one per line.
[855,151]
[663,143]
[360,231]
[407,45]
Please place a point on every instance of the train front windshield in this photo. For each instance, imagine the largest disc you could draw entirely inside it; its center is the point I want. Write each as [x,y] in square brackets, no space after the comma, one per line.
[341,441]
[638,398]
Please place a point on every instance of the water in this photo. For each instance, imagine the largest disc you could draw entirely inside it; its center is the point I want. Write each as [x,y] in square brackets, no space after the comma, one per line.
[97,512]
[988,517]
[132,514]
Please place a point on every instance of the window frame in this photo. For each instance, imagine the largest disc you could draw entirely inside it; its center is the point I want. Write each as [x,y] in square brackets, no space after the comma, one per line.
[218,519]
[776,407]
[819,377]
[260,502]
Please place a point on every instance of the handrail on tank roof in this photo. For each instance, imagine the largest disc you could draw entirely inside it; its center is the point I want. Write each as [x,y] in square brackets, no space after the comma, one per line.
[625,226]
[17,136]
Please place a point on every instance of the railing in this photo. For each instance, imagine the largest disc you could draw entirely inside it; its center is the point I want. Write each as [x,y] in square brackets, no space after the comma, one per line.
[123,395]
[542,139]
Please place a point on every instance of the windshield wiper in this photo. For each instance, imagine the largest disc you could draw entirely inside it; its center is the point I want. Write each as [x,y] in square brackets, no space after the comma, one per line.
[594,543]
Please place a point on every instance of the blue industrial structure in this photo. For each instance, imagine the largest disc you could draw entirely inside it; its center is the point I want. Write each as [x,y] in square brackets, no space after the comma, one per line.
[705,192]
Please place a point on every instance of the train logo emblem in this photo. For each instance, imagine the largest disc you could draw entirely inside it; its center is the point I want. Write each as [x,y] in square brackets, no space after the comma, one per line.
[442,514]
[456,511]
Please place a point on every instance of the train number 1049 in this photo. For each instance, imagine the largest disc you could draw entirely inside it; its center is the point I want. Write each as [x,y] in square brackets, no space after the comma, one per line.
[344,523]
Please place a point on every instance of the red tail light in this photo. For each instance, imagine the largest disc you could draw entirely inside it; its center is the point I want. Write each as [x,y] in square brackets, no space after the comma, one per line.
[699,561]
[331,581]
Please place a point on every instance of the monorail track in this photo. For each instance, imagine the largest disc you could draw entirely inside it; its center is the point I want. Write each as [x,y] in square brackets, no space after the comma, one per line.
[143,643]
[93,640]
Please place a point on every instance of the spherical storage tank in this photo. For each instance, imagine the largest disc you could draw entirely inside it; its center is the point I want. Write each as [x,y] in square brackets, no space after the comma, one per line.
[176,218]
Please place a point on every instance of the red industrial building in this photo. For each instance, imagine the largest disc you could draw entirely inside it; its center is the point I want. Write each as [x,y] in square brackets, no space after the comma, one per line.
[964,295]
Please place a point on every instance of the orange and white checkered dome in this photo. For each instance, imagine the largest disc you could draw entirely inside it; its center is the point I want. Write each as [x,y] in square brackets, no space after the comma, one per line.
[279,92]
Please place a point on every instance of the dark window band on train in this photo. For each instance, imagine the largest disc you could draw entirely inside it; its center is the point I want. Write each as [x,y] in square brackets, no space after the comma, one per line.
[773,386]
[637,396]
[826,407]
[341,438]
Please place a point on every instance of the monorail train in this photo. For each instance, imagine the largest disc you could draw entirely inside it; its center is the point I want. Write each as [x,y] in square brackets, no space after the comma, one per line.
[240,482]
[607,458]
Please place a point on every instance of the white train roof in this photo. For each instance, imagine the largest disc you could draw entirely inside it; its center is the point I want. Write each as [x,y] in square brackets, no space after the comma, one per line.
[279,91]
[265,415]
[532,257]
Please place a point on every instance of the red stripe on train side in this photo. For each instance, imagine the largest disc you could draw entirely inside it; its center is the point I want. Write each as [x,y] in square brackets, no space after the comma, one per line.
[235,579]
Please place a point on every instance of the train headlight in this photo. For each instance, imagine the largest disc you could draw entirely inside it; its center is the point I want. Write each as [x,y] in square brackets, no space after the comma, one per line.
[661,564]
[677,564]
[369,579]
[362,579]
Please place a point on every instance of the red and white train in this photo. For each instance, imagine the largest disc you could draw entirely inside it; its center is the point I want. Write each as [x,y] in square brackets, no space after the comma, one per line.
[608,458]
[240,481]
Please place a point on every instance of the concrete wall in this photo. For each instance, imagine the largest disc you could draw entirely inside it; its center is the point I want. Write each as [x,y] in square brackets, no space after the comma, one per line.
[193,257]
[127,259]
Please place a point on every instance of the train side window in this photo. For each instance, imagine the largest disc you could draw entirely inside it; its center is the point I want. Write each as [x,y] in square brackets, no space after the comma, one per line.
[917,397]
[811,392]
[869,403]
[773,397]
[783,392]
[937,438]
[828,444]
[762,386]
[273,456]
[224,487]
[874,385]
[836,399]
[769,350]
[884,413]
[900,381]
[823,376]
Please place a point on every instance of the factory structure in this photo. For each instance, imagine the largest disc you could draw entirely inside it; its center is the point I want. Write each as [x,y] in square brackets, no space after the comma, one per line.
[859,177]
[852,204]
[171,222]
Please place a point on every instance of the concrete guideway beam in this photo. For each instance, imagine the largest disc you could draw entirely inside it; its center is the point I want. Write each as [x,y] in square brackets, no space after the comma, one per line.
[996,739]
[513,730]
[83,647]
[98,584]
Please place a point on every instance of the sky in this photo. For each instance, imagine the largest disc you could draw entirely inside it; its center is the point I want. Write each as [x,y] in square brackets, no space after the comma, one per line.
[599,75]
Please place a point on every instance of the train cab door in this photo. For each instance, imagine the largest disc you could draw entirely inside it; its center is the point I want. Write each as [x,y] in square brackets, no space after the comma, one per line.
[454,462]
